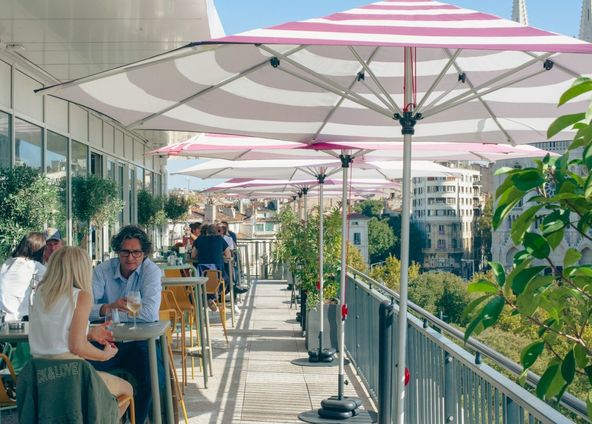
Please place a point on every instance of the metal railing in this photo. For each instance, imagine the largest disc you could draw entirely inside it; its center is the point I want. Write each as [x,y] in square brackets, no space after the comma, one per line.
[448,383]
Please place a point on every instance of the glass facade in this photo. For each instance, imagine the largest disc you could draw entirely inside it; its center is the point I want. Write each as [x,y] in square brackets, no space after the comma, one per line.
[28,144]
[56,169]
[5,144]
[79,160]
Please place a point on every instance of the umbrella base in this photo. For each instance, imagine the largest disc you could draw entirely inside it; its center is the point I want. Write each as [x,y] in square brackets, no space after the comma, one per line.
[363,417]
[305,362]
[325,355]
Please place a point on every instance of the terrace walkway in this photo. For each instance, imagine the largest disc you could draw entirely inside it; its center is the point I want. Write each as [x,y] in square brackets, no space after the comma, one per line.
[254,381]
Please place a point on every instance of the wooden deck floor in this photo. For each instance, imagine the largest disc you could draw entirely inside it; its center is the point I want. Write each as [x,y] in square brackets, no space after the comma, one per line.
[254,381]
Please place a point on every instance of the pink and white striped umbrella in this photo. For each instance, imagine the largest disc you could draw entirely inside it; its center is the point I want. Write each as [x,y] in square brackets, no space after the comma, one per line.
[477,77]
[236,147]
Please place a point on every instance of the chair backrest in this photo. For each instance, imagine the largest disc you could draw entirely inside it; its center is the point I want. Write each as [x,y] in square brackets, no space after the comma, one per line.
[168,315]
[68,390]
[214,281]
[7,398]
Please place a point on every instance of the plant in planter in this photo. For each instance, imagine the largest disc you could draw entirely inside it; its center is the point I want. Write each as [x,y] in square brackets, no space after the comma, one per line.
[175,209]
[95,203]
[150,209]
[550,292]
[29,203]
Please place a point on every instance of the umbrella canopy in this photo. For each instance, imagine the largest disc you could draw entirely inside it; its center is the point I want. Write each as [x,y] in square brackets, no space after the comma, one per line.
[243,184]
[341,77]
[238,147]
[305,169]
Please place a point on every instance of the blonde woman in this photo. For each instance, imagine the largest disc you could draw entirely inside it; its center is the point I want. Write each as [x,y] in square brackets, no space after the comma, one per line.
[58,318]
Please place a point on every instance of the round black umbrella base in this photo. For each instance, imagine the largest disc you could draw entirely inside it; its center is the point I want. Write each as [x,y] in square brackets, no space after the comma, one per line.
[364,417]
[304,362]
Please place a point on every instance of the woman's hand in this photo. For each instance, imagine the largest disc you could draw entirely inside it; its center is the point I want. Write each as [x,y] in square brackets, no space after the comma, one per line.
[109,351]
[101,334]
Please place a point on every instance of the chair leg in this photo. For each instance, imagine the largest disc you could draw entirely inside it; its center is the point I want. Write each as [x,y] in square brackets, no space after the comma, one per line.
[222,310]
[181,400]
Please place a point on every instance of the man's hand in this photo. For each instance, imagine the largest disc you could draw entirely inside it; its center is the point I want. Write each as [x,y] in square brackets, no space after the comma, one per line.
[101,334]
[120,304]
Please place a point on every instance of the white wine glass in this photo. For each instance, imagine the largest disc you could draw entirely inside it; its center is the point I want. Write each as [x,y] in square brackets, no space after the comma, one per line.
[134,303]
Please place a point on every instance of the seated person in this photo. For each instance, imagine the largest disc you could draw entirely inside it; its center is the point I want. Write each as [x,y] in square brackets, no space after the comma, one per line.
[211,250]
[59,317]
[19,275]
[130,271]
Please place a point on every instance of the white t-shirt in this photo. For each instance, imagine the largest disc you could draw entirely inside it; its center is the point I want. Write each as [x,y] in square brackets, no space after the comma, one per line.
[49,331]
[16,275]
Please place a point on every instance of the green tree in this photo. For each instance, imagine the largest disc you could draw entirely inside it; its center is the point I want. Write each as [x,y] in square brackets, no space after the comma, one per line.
[176,207]
[95,202]
[553,295]
[381,239]
[370,208]
[416,240]
[150,209]
[390,272]
[355,259]
[29,203]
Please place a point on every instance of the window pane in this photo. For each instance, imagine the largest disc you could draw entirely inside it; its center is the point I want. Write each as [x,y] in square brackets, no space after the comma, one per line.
[139,178]
[56,170]
[28,146]
[79,160]
[4,140]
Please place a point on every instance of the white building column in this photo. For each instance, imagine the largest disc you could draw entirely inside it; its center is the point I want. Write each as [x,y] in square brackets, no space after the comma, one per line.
[585,24]
[519,12]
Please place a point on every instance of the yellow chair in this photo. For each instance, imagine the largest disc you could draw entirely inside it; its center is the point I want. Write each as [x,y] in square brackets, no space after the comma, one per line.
[122,400]
[6,401]
[213,285]
[169,303]
[166,314]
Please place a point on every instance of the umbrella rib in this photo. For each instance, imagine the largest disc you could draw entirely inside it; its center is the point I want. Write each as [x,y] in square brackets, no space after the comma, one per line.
[387,95]
[326,83]
[461,98]
[451,60]
[487,108]
[340,101]
[477,95]
[154,60]
[222,83]
[562,67]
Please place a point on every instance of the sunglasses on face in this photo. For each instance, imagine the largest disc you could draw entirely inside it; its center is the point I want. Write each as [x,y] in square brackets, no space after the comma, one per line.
[135,253]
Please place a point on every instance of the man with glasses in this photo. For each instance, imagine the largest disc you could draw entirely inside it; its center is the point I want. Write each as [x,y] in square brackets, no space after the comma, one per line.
[130,271]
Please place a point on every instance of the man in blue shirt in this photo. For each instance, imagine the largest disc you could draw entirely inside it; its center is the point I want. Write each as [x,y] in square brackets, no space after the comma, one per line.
[112,281]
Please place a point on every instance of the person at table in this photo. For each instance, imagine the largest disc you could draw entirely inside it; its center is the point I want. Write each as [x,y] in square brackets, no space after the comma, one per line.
[224,232]
[19,275]
[210,251]
[130,271]
[53,243]
[58,320]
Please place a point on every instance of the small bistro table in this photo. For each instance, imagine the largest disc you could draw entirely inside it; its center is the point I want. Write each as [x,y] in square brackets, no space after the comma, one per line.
[201,316]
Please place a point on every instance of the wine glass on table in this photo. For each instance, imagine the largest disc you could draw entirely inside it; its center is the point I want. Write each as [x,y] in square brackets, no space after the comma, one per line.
[134,303]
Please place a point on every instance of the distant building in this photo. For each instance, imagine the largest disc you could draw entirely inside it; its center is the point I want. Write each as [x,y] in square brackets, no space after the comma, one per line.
[445,209]
[358,233]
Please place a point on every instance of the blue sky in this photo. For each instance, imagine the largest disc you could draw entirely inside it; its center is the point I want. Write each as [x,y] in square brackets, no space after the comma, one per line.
[242,15]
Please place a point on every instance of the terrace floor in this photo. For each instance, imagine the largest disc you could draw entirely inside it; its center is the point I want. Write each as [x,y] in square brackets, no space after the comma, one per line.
[254,381]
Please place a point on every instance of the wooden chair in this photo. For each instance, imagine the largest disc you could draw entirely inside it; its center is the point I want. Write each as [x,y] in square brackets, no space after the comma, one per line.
[131,409]
[6,401]
[168,303]
[185,304]
[164,315]
[213,285]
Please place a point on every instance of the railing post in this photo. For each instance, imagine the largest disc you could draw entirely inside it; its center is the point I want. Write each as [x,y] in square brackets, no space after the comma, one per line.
[449,390]
[385,363]
[511,411]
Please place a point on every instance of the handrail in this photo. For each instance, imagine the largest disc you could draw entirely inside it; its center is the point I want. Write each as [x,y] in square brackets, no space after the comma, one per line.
[568,400]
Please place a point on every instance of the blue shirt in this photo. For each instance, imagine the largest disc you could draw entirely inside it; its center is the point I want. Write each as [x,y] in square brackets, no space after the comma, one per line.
[109,285]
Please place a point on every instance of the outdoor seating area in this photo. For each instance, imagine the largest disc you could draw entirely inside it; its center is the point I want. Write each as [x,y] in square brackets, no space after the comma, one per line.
[337,212]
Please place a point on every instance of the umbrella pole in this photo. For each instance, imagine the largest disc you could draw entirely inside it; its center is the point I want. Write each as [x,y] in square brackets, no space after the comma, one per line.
[304,203]
[345,162]
[407,122]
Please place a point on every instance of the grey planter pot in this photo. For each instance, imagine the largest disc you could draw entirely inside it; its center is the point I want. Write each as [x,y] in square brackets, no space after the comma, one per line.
[331,327]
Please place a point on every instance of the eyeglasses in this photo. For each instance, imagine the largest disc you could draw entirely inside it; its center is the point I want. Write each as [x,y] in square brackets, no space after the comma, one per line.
[135,253]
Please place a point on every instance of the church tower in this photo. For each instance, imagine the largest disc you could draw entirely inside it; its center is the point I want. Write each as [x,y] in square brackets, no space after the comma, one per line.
[519,12]
[585,23]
